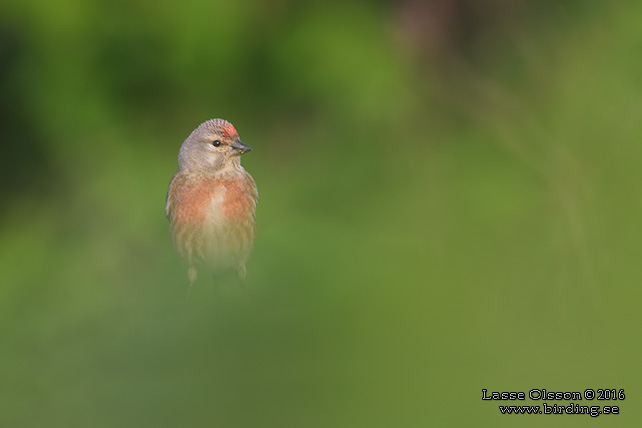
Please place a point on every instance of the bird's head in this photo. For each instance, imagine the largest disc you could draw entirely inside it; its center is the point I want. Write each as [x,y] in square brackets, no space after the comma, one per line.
[213,146]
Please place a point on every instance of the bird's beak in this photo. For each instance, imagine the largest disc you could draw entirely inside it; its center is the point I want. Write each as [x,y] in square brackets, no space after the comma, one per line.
[240,147]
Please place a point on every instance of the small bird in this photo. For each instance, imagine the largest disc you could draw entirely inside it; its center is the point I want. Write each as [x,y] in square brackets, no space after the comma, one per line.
[211,201]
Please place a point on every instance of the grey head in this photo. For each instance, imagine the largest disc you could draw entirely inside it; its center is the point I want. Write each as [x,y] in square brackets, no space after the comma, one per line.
[211,147]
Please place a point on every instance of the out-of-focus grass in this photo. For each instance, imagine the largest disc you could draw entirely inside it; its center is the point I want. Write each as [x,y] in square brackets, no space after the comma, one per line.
[419,238]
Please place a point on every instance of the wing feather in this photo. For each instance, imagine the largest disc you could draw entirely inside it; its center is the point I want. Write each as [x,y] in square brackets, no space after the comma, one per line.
[170,199]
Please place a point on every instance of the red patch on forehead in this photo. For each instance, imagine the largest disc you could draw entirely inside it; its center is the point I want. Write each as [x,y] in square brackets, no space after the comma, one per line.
[228,130]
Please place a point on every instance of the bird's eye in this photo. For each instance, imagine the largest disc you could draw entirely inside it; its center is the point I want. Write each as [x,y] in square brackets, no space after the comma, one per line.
[216,143]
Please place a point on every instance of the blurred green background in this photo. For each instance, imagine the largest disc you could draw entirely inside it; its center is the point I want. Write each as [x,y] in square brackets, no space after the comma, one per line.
[449,201]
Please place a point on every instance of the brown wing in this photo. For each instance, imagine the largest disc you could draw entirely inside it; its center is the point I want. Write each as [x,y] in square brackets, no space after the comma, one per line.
[170,199]
[254,193]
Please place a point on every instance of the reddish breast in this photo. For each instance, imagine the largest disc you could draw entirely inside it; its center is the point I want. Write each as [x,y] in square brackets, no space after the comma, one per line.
[193,200]
[238,202]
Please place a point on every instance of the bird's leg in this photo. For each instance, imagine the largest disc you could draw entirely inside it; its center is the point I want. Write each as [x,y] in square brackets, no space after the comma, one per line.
[191,274]
[241,272]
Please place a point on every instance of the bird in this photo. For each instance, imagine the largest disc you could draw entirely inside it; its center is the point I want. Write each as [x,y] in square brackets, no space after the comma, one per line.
[211,202]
